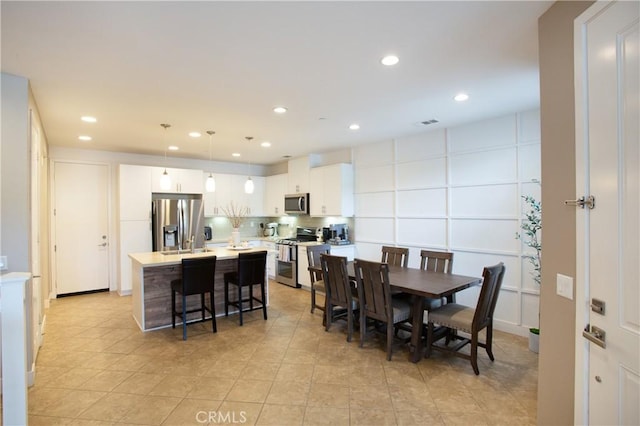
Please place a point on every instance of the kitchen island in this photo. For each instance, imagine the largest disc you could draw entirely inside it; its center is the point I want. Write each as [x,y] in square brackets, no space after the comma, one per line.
[151,276]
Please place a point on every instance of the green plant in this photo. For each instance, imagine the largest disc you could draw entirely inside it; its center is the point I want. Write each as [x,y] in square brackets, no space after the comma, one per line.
[531,225]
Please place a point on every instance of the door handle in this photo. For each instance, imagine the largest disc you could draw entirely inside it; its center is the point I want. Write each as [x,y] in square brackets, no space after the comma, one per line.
[102,245]
[595,335]
[581,202]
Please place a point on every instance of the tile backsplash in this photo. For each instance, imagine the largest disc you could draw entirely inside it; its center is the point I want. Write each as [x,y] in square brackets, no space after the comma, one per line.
[221,226]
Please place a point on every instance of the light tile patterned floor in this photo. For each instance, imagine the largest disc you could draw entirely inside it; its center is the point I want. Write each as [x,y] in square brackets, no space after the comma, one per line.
[97,368]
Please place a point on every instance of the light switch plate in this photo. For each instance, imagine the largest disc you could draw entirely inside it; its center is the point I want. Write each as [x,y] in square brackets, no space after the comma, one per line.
[564,286]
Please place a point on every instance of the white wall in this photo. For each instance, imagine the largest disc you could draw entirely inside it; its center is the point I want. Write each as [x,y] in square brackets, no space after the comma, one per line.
[457,189]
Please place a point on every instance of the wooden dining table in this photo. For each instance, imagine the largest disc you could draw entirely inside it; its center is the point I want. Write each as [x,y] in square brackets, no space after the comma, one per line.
[420,284]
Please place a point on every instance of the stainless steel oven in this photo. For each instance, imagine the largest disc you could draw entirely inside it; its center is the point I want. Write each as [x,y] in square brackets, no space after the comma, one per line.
[286,263]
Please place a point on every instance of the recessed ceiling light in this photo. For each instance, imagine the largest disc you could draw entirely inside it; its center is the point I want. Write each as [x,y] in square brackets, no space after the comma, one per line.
[279,110]
[390,60]
[195,134]
[235,154]
[265,144]
[354,126]
[461,97]
[173,148]
[88,119]
[84,138]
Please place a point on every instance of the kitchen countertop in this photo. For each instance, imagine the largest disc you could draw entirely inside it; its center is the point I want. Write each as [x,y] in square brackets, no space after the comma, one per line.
[156,258]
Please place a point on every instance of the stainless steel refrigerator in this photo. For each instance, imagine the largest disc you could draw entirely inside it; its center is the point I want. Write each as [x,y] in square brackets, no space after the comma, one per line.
[177,220]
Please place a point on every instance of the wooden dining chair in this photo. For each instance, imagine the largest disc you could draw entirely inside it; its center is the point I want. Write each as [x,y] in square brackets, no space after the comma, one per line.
[437,261]
[317,282]
[339,300]
[395,256]
[469,320]
[376,301]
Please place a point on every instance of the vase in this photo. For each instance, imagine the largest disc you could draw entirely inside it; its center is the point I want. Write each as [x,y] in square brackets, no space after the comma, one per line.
[235,237]
[534,342]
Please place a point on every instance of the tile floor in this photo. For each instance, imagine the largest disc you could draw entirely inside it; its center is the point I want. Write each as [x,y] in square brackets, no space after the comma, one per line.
[97,368]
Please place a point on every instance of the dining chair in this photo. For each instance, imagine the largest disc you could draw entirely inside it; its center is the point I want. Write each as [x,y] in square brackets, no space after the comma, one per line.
[395,256]
[340,302]
[437,261]
[250,273]
[376,300]
[453,316]
[317,283]
[197,278]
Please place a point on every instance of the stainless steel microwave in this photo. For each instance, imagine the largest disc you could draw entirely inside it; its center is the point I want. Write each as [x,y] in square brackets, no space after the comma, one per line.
[296,203]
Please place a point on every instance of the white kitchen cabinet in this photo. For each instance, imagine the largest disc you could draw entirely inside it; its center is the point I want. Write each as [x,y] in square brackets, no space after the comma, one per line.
[253,202]
[214,201]
[348,251]
[230,189]
[304,279]
[275,190]
[134,192]
[135,237]
[186,181]
[272,256]
[298,175]
[208,198]
[331,190]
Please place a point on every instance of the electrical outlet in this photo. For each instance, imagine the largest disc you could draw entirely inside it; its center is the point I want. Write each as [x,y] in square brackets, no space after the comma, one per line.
[4,263]
[564,286]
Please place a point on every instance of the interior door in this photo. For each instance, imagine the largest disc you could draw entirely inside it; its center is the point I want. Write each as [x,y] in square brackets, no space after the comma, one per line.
[81,212]
[609,154]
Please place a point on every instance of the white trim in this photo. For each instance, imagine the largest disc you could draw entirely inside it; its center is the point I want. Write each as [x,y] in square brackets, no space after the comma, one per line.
[581,380]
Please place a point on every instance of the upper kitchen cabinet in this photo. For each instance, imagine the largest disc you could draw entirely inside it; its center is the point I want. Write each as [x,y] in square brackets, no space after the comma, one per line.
[135,194]
[331,190]
[254,202]
[215,201]
[186,181]
[298,175]
[276,188]
[230,189]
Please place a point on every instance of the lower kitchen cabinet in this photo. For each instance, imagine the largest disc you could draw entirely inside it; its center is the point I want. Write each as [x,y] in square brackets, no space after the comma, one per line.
[304,279]
[347,250]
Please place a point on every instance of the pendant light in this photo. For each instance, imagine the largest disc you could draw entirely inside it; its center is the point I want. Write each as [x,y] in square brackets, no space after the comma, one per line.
[210,184]
[248,185]
[165,179]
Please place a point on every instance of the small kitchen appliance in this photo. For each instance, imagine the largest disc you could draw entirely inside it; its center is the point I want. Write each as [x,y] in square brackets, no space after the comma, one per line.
[297,204]
[271,230]
[336,234]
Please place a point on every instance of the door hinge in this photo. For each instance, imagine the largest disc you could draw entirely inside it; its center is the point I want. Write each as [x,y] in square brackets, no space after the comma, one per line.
[581,202]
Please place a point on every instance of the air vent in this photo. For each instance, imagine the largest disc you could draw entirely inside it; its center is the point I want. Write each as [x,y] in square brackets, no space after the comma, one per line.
[427,122]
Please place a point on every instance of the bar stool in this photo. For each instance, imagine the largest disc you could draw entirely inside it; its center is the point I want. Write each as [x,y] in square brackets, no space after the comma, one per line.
[251,272]
[197,278]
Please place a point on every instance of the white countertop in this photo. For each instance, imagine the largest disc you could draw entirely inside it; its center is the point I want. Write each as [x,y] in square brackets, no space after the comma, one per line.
[156,258]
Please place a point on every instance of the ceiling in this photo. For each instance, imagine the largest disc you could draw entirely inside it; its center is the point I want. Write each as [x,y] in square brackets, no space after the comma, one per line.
[223,66]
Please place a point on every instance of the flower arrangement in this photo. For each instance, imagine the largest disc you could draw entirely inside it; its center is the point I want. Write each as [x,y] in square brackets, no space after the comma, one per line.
[236,214]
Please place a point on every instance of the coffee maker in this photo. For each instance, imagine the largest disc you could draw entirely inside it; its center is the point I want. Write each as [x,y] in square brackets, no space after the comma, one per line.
[337,234]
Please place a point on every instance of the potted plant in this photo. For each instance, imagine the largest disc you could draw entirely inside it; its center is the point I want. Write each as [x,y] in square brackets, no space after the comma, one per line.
[530,226]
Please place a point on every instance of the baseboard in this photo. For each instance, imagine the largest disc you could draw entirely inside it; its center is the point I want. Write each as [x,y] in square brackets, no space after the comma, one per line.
[507,327]
[124,293]
[31,375]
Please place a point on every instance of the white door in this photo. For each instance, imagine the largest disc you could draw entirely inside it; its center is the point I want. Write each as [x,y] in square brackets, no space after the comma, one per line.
[608,154]
[81,212]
